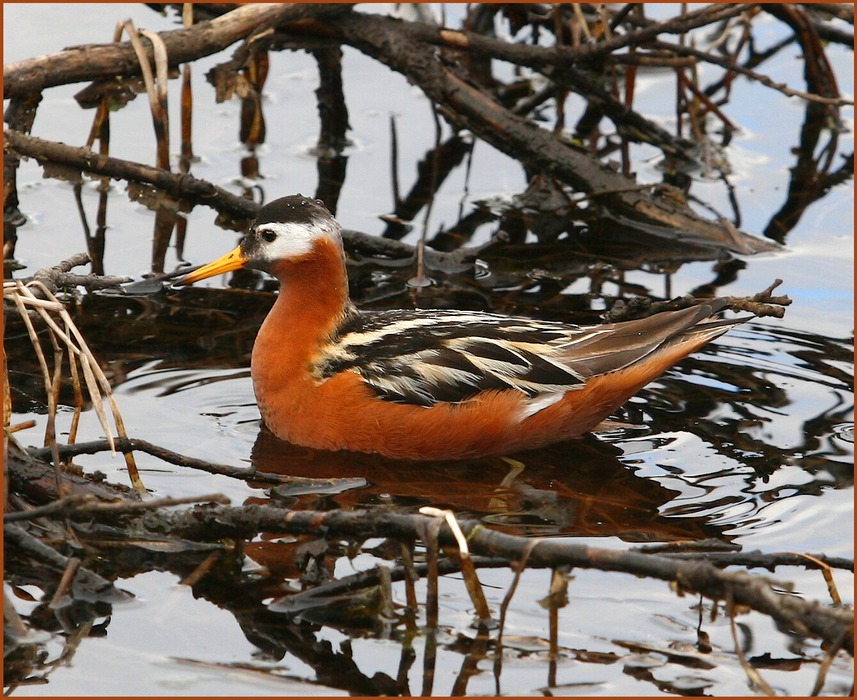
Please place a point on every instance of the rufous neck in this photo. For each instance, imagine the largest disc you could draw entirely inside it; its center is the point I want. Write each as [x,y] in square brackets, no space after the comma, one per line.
[313,293]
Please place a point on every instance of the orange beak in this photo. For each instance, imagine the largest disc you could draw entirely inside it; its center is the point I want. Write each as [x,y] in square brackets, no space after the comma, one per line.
[233,260]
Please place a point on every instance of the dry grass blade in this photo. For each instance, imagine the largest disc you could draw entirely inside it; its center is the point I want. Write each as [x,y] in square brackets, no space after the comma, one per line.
[56,382]
[92,386]
[79,348]
[7,395]
[105,390]
[411,577]
[204,567]
[186,129]
[145,68]
[78,399]
[429,532]
[756,680]
[161,64]
[98,387]
[827,572]
[64,585]
[156,91]
[468,571]
[25,425]
[557,598]
[825,665]
[100,122]
[519,568]
[581,21]
[21,305]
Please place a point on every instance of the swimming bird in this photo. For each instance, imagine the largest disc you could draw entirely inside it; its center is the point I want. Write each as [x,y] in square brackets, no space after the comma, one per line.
[423,384]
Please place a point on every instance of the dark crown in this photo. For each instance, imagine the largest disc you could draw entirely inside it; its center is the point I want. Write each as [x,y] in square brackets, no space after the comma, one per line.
[295,208]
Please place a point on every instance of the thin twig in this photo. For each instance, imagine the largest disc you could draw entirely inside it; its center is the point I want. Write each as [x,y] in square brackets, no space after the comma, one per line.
[88,503]
[518,566]
[756,680]
[730,65]
[126,444]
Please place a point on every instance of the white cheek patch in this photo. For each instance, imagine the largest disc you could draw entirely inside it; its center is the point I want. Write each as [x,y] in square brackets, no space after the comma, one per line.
[292,239]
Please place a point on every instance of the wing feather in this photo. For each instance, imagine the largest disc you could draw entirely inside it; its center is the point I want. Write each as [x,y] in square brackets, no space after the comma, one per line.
[424,357]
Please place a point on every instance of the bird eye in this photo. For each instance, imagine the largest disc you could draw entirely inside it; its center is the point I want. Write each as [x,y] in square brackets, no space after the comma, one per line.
[268,235]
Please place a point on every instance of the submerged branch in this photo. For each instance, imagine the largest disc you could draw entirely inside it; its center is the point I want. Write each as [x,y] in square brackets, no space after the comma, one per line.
[207,523]
[217,522]
[15,537]
[803,617]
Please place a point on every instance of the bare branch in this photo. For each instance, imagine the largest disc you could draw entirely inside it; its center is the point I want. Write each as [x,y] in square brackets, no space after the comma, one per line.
[92,62]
